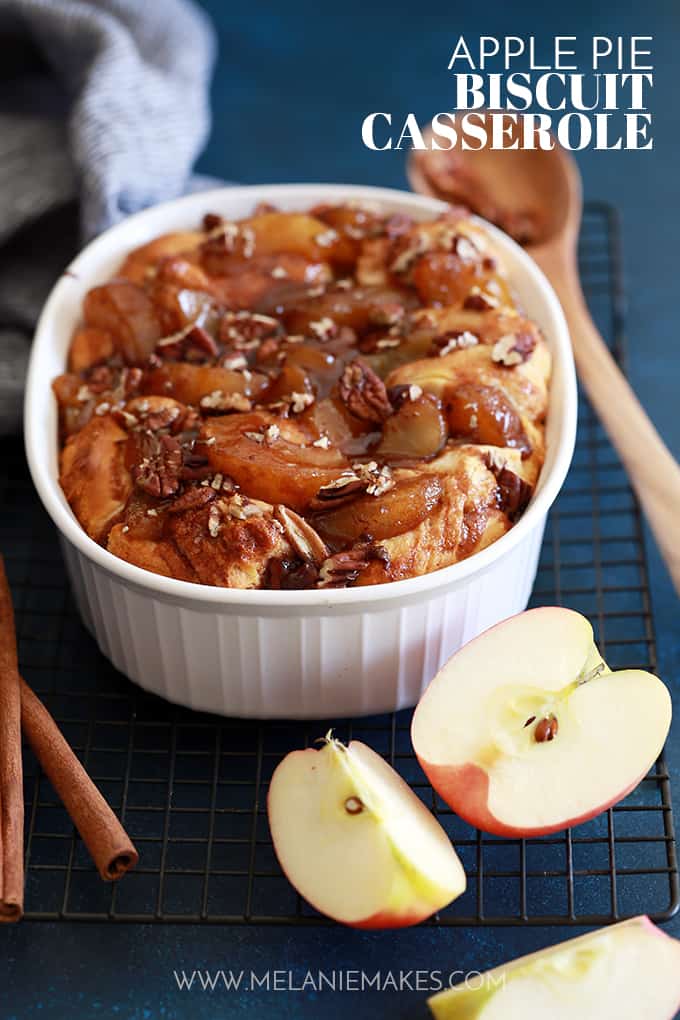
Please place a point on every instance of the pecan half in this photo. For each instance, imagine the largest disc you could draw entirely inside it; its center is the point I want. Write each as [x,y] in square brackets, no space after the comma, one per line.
[344,487]
[192,498]
[158,472]
[307,543]
[364,393]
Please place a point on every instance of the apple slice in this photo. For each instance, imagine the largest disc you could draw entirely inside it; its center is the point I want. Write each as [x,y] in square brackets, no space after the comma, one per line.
[526,730]
[628,971]
[355,840]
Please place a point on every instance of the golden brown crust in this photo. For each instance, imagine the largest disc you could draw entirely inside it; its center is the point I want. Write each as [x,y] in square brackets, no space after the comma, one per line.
[227,548]
[310,399]
[94,476]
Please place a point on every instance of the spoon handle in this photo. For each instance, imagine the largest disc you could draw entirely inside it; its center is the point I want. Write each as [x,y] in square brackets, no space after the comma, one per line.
[652,469]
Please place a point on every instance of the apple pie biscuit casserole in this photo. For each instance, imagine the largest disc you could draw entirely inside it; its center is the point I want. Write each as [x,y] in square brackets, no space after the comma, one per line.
[304,400]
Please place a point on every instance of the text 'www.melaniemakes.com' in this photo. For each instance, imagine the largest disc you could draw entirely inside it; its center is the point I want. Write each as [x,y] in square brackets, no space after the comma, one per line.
[216,981]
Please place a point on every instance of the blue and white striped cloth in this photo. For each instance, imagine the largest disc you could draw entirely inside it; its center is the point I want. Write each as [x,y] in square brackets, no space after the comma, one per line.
[104,102]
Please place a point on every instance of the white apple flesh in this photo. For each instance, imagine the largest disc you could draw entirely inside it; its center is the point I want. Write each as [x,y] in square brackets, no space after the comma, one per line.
[625,972]
[526,731]
[356,842]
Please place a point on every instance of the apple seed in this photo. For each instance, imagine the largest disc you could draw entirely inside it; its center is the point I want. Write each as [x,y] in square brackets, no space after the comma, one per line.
[546,729]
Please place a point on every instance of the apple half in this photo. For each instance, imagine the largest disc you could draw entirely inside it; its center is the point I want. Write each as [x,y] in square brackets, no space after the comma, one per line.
[624,972]
[356,842]
[526,731]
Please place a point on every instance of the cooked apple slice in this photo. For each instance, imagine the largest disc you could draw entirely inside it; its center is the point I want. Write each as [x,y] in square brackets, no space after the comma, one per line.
[398,510]
[125,311]
[271,459]
[417,430]
[628,971]
[192,384]
[526,730]
[355,840]
[141,263]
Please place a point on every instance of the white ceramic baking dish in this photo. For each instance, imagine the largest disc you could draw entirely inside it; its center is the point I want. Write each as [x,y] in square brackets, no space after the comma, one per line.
[313,654]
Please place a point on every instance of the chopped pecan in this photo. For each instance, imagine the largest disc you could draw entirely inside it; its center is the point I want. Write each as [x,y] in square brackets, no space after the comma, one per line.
[307,543]
[189,420]
[477,301]
[192,498]
[163,418]
[269,348]
[158,472]
[324,329]
[513,349]
[398,395]
[378,479]
[218,401]
[453,340]
[343,569]
[246,330]
[364,393]
[192,343]
[514,492]
[124,418]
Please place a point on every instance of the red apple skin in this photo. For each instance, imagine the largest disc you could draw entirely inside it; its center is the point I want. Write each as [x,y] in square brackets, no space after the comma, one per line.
[384,919]
[465,788]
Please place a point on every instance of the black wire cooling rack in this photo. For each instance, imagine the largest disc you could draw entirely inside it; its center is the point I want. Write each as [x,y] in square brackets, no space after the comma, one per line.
[191,788]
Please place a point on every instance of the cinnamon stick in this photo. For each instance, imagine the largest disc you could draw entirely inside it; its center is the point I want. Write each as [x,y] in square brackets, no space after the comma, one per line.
[105,838]
[11,770]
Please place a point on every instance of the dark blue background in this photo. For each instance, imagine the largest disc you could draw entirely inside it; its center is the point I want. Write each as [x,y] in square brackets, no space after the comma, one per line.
[292,87]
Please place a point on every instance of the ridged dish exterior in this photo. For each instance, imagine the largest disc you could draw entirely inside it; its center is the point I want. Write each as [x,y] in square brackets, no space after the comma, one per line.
[304,663]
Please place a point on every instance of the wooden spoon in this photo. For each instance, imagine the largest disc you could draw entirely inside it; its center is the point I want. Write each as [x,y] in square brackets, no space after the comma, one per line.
[539,192]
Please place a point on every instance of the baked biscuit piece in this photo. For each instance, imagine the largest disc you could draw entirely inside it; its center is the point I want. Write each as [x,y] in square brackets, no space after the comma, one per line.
[157,554]
[94,475]
[231,541]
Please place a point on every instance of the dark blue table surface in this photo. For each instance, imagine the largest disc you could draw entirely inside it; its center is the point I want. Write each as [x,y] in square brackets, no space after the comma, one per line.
[291,88]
